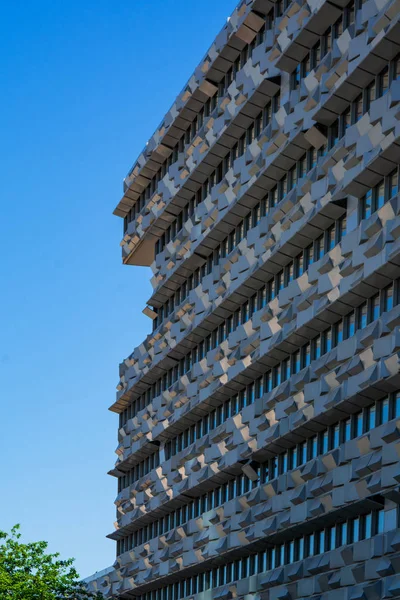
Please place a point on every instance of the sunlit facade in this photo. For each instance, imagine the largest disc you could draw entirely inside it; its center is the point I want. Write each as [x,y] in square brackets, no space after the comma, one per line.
[259,421]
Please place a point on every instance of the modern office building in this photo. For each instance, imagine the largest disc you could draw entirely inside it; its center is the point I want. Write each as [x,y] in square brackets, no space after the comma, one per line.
[259,422]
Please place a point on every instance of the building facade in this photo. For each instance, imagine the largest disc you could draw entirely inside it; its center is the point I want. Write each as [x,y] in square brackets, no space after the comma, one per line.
[259,422]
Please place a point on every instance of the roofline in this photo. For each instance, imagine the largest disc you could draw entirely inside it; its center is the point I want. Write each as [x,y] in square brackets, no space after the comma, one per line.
[154,147]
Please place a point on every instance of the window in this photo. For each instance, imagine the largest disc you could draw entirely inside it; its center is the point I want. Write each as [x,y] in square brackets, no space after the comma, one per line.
[393,184]
[333,134]
[371,95]
[374,308]
[296,77]
[345,121]
[388,298]
[357,108]
[376,197]
[350,324]
[383,82]
[349,14]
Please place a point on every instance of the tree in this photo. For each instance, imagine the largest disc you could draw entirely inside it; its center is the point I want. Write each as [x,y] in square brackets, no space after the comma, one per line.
[28,572]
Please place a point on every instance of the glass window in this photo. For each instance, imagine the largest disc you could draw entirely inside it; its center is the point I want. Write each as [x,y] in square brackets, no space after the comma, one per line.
[279,282]
[311,549]
[281,554]
[285,369]
[370,95]
[242,144]
[272,197]
[357,424]
[374,308]
[333,134]
[395,406]
[355,530]
[379,195]
[299,262]
[267,114]
[258,124]
[302,166]
[291,552]
[289,273]
[324,441]
[393,184]
[370,418]
[312,447]
[277,375]
[308,257]
[296,361]
[326,42]
[383,81]
[321,541]
[312,158]
[345,121]
[327,340]
[388,297]
[295,78]
[366,205]
[316,347]
[350,324]
[331,538]
[272,468]
[330,238]
[338,333]
[306,355]
[346,430]
[337,28]
[250,134]
[283,463]
[292,458]
[315,55]
[383,411]
[269,20]
[396,67]
[362,316]
[335,436]
[268,381]
[299,549]
[367,526]
[318,247]
[350,14]
[380,521]
[302,453]
[305,66]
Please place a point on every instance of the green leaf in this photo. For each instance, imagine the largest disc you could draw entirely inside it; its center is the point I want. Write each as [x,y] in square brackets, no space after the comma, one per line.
[28,572]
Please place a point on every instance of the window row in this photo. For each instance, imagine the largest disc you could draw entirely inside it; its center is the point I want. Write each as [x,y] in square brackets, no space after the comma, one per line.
[253,131]
[305,164]
[375,198]
[375,414]
[372,201]
[356,109]
[359,106]
[381,193]
[319,345]
[204,113]
[145,466]
[299,265]
[324,45]
[322,540]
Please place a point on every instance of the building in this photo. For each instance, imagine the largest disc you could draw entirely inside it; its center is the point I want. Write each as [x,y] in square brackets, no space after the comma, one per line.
[259,433]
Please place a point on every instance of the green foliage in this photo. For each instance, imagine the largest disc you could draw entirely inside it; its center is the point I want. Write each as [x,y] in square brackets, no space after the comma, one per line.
[27,572]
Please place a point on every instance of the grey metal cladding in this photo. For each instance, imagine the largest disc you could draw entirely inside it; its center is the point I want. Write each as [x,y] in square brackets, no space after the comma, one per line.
[259,440]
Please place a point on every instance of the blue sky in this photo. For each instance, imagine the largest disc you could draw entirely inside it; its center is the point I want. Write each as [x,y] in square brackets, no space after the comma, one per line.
[84,85]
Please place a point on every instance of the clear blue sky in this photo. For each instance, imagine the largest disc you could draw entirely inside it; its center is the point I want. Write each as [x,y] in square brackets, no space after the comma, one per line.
[83,86]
